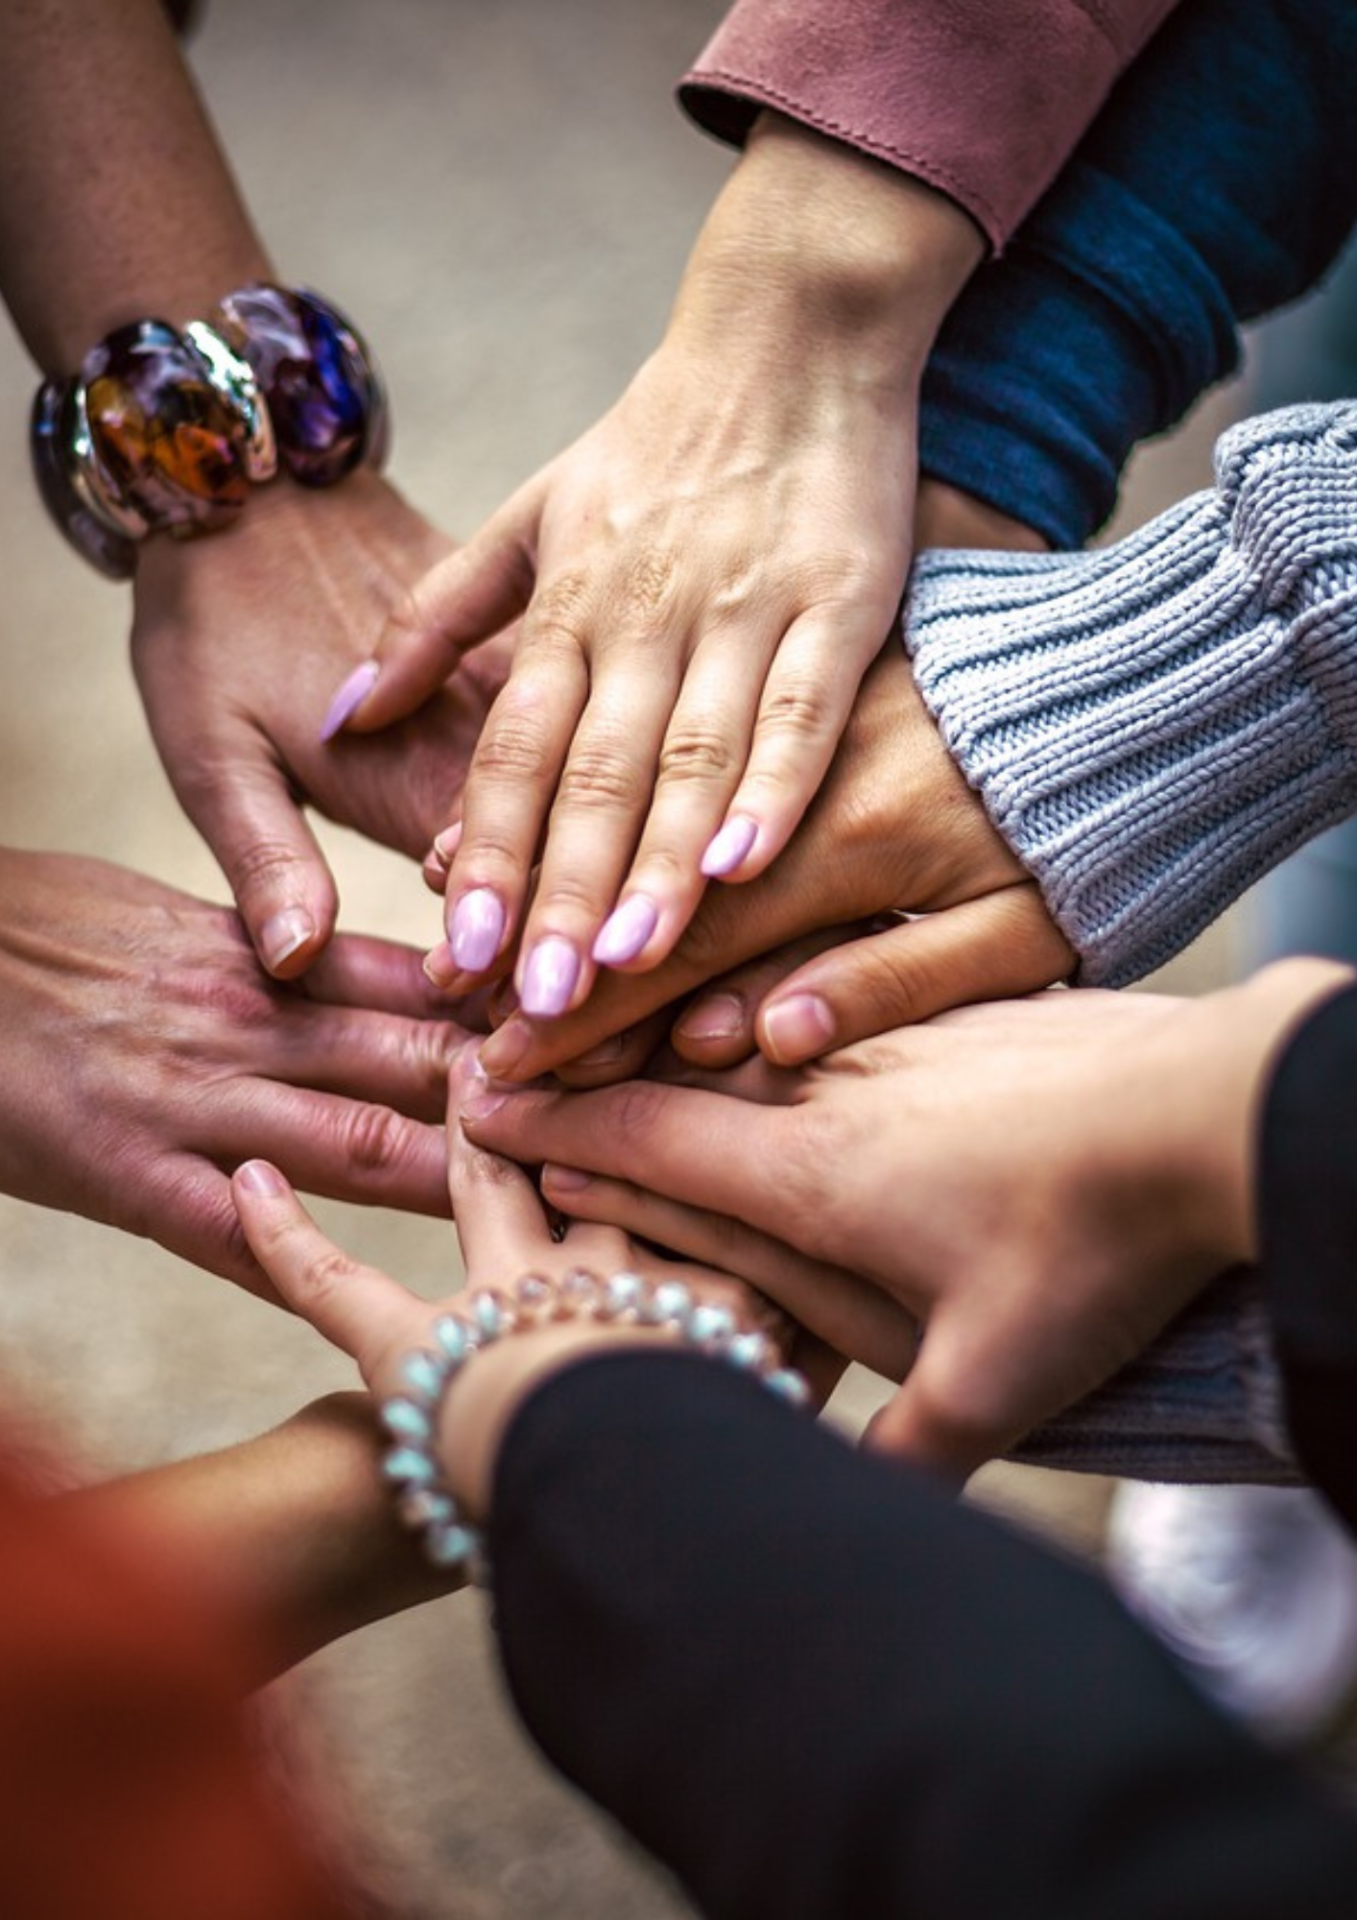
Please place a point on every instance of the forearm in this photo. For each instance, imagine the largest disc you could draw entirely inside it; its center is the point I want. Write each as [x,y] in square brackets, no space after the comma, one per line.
[291,1536]
[1307,1205]
[788,1665]
[116,201]
[1155,725]
[1216,184]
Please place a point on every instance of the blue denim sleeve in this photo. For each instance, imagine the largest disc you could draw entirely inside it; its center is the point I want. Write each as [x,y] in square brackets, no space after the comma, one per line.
[1218,183]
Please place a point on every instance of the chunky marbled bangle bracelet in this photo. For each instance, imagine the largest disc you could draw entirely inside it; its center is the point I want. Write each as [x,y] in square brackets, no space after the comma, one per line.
[321,384]
[412,1467]
[166,431]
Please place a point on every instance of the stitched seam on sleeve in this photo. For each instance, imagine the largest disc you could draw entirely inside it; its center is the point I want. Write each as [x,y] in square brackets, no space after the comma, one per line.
[915,162]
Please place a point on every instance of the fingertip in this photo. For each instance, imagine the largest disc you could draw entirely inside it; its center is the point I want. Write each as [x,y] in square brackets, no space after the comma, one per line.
[349,696]
[261,1180]
[288,941]
[730,847]
[796,1029]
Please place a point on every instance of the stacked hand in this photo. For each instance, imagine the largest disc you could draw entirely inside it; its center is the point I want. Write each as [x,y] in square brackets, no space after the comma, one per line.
[704,579]
[504,1233]
[146,1054]
[1040,1185]
[237,643]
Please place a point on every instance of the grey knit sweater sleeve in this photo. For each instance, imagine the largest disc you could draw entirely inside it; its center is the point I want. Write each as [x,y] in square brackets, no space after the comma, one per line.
[1154,725]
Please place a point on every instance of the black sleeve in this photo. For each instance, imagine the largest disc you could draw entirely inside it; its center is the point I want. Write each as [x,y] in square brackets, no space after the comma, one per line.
[1308,1232]
[814,1685]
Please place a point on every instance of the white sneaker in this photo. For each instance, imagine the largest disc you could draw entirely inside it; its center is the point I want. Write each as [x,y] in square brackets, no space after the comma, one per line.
[1254,1589]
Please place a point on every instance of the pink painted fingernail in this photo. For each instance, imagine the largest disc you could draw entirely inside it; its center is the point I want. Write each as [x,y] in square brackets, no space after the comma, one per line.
[796,1029]
[257,1176]
[626,930]
[280,937]
[549,978]
[349,699]
[729,846]
[719,1017]
[476,929]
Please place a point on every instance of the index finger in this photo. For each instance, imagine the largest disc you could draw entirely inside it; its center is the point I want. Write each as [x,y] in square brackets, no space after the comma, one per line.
[711,1150]
[359,1309]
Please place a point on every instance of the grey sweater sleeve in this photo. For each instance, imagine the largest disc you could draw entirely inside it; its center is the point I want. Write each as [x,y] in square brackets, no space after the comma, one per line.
[1154,725]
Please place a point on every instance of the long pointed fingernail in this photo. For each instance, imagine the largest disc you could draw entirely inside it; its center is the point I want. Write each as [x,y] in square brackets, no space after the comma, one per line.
[349,699]
[505,1048]
[796,1029]
[475,929]
[549,978]
[280,937]
[729,846]
[626,930]
[719,1017]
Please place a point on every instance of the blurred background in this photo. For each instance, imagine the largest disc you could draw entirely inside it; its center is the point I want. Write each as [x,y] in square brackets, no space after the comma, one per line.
[503,197]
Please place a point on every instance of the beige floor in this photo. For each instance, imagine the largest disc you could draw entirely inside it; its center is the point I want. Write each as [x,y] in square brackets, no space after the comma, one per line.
[503,195]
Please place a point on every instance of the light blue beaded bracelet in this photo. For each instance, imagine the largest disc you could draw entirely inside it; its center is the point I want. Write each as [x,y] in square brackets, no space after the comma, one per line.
[411,1466]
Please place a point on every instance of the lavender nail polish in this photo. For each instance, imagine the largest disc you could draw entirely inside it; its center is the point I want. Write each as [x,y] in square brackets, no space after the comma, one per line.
[349,699]
[729,846]
[626,930]
[549,977]
[476,929]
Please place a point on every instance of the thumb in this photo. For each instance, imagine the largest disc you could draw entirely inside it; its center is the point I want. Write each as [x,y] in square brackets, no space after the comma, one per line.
[943,1415]
[466,598]
[987,949]
[275,869]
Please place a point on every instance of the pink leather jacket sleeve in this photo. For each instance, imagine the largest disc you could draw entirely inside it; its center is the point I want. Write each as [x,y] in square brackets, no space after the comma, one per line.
[983,99]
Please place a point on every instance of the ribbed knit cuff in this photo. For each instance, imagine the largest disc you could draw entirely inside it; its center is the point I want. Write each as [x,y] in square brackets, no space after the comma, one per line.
[1204,1404]
[1154,726]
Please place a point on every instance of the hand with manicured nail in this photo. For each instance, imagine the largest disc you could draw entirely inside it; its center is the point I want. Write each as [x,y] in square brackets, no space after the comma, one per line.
[703,578]
[145,1050]
[1041,1185]
[238,643]
[895,829]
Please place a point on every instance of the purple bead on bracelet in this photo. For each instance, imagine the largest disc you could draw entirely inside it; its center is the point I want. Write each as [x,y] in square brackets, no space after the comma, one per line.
[321,383]
[163,430]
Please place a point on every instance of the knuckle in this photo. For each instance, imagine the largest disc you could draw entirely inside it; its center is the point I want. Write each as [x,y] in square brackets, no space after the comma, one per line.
[648,584]
[328,1270]
[375,1139]
[696,753]
[600,774]
[558,616]
[801,708]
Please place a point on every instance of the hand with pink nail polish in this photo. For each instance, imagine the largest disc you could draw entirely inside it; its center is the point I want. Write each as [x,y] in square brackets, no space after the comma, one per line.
[703,579]
[245,651]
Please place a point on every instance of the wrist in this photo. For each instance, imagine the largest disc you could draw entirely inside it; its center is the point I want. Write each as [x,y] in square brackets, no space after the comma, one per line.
[1224,1068]
[811,236]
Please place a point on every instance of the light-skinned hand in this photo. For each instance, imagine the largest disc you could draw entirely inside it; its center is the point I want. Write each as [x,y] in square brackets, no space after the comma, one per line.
[703,578]
[1040,1184]
[894,827]
[504,1233]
